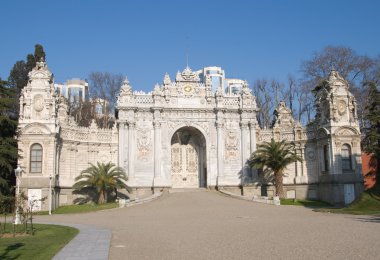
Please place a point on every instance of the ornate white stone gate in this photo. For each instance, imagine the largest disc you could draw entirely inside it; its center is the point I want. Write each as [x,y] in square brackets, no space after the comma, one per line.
[187,159]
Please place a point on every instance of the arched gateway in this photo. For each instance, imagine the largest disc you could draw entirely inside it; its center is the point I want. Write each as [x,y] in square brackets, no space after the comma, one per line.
[187,133]
[188,159]
[195,131]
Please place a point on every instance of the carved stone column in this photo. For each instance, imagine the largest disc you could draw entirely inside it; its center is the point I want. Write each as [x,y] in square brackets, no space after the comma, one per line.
[252,132]
[131,150]
[157,152]
[244,146]
[331,157]
[220,148]
[299,174]
[121,144]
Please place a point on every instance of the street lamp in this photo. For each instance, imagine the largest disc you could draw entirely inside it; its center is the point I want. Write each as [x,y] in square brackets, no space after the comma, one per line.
[18,172]
[50,178]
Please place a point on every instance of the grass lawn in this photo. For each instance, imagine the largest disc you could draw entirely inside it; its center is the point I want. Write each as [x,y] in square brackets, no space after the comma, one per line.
[84,208]
[46,242]
[71,209]
[305,203]
[367,204]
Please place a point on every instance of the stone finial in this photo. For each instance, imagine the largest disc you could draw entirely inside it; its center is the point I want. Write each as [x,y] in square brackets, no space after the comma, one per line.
[126,88]
[167,80]
[157,90]
[93,125]
[41,64]
[334,75]
[245,90]
[126,81]
[187,70]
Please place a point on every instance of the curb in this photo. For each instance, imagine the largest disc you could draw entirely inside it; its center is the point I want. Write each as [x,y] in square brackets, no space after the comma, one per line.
[140,201]
[263,200]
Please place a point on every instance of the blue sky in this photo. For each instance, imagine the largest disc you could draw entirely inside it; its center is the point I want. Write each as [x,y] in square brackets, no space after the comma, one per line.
[145,39]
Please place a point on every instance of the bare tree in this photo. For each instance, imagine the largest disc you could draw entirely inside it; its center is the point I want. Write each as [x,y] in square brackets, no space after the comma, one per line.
[83,113]
[351,66]
[104,89]
[264,101]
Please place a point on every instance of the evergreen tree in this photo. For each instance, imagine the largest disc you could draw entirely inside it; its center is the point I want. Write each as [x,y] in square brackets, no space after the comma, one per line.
[8,142]
[371,130]
[39,52]
[18,77]
[30,62]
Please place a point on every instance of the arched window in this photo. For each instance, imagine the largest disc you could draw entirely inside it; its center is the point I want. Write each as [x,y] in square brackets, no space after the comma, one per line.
[36,158]
[346,157]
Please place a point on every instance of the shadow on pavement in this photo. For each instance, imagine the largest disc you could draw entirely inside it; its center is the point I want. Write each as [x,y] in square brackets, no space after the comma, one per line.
[373,219]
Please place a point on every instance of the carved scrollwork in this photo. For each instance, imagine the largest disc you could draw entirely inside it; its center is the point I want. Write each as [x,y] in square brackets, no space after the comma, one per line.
[143,144]
[231,145]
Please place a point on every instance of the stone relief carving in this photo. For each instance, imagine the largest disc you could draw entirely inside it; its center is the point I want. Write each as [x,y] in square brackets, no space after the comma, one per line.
[342,107]
[231,146]
[310,153]
[38,103]
[143,144]
[345,132]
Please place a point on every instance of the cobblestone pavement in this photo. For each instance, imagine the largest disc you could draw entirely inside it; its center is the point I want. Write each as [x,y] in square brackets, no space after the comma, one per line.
[207,225]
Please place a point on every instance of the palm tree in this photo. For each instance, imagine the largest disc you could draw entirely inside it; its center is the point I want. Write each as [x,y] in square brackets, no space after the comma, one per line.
[275,157]
[101,179]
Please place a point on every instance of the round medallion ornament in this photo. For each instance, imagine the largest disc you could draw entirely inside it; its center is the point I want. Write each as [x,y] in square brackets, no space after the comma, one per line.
[310,154]
[38,103]
[341,107]
[188,88]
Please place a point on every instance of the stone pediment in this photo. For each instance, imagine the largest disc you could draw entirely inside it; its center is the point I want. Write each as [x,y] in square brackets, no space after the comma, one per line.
[336,83]
[40,73]
[283,116]
[346,131]
[36,129]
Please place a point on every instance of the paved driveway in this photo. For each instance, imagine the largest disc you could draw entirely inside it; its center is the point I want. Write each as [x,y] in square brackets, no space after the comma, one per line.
[208,225]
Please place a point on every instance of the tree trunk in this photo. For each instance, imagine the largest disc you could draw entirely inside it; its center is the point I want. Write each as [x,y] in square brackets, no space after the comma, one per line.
[101,198]
[278,179]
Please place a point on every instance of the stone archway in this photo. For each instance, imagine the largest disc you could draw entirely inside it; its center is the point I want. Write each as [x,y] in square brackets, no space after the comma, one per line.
[188,159]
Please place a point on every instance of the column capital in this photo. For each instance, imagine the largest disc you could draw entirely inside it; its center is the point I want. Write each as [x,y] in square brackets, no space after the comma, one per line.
[156,124]
[121,123]
[131,124]
[219,124]
[253,124]
[244,125]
